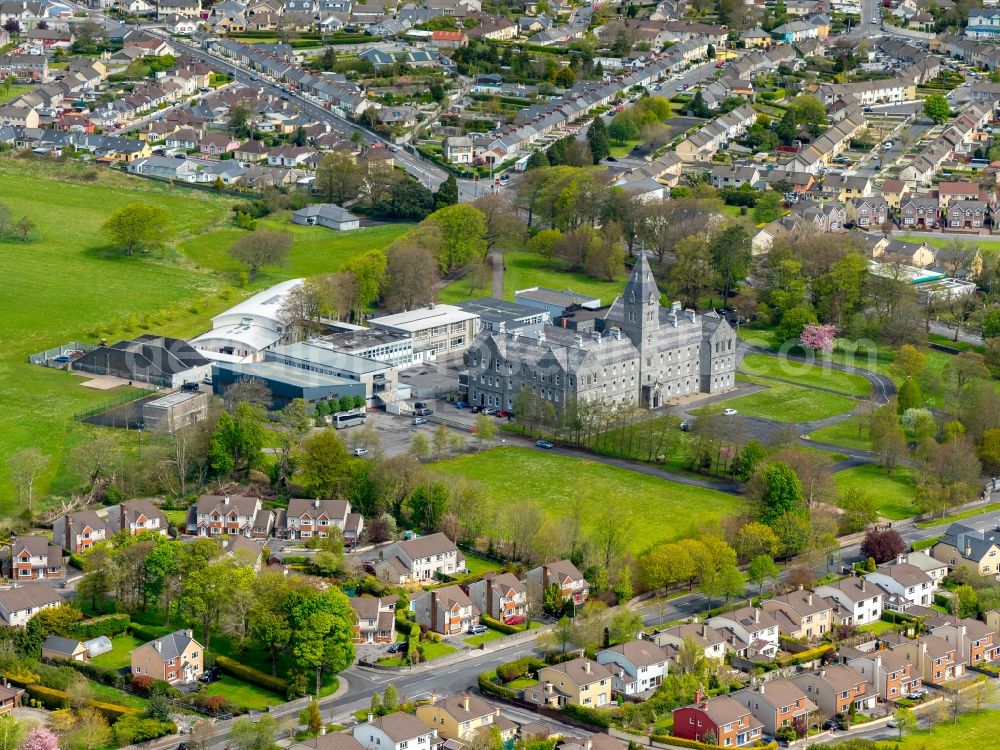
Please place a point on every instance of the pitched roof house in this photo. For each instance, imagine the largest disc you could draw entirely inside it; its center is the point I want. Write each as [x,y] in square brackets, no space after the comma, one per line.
[374,619]
[857,601]
[836,688]
[937,661]
[174,658]
[972,548]
[637,666]
[79,531]
[21,602]
[396,731]
[419,559]
[447,610]
[136,517]
[890,674]
[579,682]
[500,596]
[776,704]
[723,717]
[563,574]
[218,515]
[458,717]
[801,614]
[704,635]
[27,558]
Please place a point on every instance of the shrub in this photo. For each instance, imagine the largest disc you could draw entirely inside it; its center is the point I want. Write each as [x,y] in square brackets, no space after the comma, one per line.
[109,625]
[112,712]
[587,715]
[134,729]
[520,668]
[21,679]
[249,674]
[49,697]
[76,561]
[805,656]
[501,626]
[142,632]
[105,675]
[488,687]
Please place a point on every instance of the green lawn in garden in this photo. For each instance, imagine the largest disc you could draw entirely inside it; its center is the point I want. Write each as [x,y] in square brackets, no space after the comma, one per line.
[814,375]
[878,627]
[120,654]
[436,650]
[783,402]
[982,244]
[7,95]
[108,694]
[521,683]
[894,494]
[653,510]
[845,434]
[480,565]
[243,693]
[489,635]
[972,731]
[530,269]
[176,517]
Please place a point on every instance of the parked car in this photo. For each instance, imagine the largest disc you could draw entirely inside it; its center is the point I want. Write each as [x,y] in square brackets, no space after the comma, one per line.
[193,386]
[423,412]
[360,452]
[685,426]
[916,694]
[210,675]
[729,412]
[398,647]
[419,420]
[477,629]
[544,444]
[475,409]
[489,411]
[461,405]
[502,413]
[611,158]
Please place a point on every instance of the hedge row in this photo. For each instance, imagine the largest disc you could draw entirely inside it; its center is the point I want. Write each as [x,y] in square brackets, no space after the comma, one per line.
[501,626]
[105,675]
[520,668]
[488,687]
[593,716]
[667,739]
[143,633]
[76,561]
[54,700]
[109,625]
[249,674]
[805,656]
[21,680]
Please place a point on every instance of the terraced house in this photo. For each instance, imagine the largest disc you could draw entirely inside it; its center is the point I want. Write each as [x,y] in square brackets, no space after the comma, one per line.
[722,721]
[890,674]
[776,704]
[836,689]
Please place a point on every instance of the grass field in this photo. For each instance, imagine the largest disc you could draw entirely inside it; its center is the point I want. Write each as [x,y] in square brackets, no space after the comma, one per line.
[13,92]
[69,286]
[784,402]
[985,245]
[480,565]
[893,495]
[120,654]
[971,731]
[489,635]
[436,650]
[843,433]
[992,507]
[556,484]
[243,693]
[805,374]
[529,269]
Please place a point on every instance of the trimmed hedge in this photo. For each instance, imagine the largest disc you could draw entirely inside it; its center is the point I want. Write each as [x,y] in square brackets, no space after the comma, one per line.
[668,739]
[142,632]
[592,716]
[105,675]
[51,698]
[805,656]
[22,680]
[113,712]
[520,668]
[134,729]
[109,625]
[488,687]
[249,674]
[76,561]
[501,626]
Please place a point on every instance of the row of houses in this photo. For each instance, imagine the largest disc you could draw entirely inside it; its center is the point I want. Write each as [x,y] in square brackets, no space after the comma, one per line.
[704,143]
[958,138]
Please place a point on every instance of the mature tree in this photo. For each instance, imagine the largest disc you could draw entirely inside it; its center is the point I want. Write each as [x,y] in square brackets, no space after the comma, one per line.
[411,275]
[40,738]
[368,271]
[407,200]
[780,491]
[731,256]
[859,510]
[253,734]
[762,569]
[136,227]
[261,248]
[238,440]
[956,702]
[505,229]
[447,192]
[486,429]
[962,369]
[239,116]
[692,273]
[325,463]
[906,721]
[666,566]
[936,108]
[25,467]
[755,539]
[888,440]
[249,390]
[882,545]
[598,139]
[983,692]
[463,236]
[750,458]
[770,206]
[322,631]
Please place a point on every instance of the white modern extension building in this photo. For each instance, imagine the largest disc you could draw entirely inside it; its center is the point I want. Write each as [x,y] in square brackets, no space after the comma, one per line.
[243,332]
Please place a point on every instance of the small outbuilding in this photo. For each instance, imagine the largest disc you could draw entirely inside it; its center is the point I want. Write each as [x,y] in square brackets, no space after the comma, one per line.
[55,647]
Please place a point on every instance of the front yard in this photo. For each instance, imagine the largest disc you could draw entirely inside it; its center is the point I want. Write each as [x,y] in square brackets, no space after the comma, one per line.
[242,693]
[489,635]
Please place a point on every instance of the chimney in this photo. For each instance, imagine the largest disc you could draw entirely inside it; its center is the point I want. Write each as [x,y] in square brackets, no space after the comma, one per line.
[809,599]
[704,630]
[465,702]
[316,503]
[322,729]
[578,341]
[756,615]
[690,315]
[515,334]
[617,333]
[595,335]
[588,744]
[673,319]
[189,634]
[226,500]
[586,665]
[371,717]
[862,585]
[968,550]
[900,559]
[541,337]
[489,596]
[675,307]
[761,688]
[158,645]
[800,587]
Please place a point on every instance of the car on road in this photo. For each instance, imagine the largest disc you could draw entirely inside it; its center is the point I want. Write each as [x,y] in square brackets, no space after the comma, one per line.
[489,411]
[544,444]
[611,158]
[191,386]
[680,88]
[477,629]
[423,412]
[729,412]
[360,452]
[419,420]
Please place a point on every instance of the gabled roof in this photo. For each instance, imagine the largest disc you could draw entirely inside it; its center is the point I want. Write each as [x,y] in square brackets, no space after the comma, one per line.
[582,671]
[641,653]
[172,645]
[401,726]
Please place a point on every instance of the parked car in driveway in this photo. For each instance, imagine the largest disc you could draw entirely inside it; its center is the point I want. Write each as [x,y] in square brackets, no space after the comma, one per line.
[477,629]
[419,420]
[397,647]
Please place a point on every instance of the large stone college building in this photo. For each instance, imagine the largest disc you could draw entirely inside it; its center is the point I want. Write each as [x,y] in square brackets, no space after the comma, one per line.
[638,353]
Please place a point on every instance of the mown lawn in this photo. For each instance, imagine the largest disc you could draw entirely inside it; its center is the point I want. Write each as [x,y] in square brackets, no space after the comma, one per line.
[489,635]
[436,650]
[844,434]
[971,731]
[529,269]
[814,375]
[243,693]
[783,402]
[13,92]
[480,565]
[894,495]
[653,510]
[120,654]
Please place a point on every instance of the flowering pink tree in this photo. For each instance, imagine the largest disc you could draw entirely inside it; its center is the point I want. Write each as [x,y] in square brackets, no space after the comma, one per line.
[40,738]
[818,338]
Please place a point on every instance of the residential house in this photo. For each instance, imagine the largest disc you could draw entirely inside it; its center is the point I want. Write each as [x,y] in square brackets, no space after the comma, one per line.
[905,585]
[458,717]
[217,515]
[890,674]
[858,602]
[892,191]
[948,192]
[289,156]
[918,213]
[374,619]
[327,215]
[22,601]
[564,574]
[933,567]
[217,144]
[447,610]
[825,217]
[723,720]
[975,642]
[937,661]
[776,704]
[136,517]
[176,658]
[637,666]
[961,545]
[733,176]
[708,638]
[500,596]
[756,629]
[490,26]
[984,23]
[250,151]
[836,688]
[965,216]
[458,150]
[847,187]
[307,518]
[27,558]
[19,117]
[868,213]
[449,39]
[10,698]
[801,614]
[580,682]
[70,649]
[395,731]
[79,531]
[919,254]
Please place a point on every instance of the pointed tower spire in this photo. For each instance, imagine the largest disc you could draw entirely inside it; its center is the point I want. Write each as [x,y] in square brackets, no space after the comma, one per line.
[641,302]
